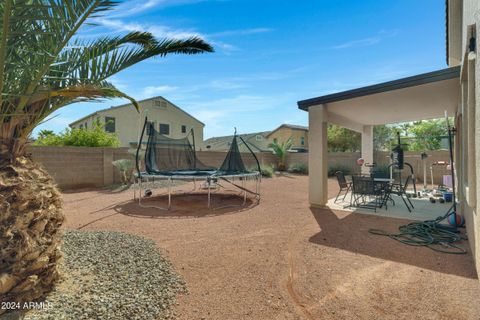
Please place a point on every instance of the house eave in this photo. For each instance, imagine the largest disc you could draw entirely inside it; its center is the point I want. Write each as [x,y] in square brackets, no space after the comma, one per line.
[439,75]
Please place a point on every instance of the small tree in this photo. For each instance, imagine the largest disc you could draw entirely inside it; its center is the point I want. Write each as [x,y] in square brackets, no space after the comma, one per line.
[382,137]
[428,134]
[342,140]
[280,150]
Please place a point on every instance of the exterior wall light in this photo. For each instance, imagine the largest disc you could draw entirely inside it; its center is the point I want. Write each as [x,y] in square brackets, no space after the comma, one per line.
[472,44]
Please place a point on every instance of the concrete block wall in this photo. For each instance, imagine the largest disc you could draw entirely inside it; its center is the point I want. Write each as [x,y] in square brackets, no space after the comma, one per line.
[72,167]
[82,167]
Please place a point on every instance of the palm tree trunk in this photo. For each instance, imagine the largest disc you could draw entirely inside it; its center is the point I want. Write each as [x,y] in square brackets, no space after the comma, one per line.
[30,219]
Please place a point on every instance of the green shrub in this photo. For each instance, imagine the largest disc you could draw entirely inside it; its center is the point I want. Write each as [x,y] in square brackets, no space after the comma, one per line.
[125,166]
[335,168]
[267,171]
[94,137]
[299,168]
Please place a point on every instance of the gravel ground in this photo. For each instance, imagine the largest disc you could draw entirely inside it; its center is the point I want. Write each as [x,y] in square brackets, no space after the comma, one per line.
[281,259]
[112,275]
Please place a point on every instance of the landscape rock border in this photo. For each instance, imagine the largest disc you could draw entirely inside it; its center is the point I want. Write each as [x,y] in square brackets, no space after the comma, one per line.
[111,275]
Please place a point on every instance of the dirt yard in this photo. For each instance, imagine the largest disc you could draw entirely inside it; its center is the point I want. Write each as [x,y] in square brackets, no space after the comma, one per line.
[283,260]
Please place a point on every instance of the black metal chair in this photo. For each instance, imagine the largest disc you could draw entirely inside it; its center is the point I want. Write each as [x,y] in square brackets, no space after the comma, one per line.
[343,184]
[363,190]
[399,186]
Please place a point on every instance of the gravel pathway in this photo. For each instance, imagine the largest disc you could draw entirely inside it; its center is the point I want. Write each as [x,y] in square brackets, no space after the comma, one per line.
[112,275]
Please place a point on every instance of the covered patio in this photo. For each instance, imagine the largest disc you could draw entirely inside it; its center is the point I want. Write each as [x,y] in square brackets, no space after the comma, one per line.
[421,97]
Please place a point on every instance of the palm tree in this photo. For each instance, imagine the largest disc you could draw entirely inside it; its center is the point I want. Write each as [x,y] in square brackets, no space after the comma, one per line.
[280,150]
[44,66]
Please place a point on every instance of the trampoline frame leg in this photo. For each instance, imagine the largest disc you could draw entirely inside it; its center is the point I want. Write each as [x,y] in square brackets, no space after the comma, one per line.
[139,184]
[209,192]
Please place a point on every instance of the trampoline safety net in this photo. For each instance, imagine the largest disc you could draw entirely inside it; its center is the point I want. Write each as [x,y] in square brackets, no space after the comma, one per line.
[163,155]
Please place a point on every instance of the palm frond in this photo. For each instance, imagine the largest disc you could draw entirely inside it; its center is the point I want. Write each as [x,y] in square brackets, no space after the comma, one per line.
[43,67]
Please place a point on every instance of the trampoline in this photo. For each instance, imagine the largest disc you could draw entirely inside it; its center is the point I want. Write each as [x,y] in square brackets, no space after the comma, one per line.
[167,160]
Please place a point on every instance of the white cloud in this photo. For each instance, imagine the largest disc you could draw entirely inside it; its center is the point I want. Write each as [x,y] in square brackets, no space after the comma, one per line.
[369,41]
[241,32]
[358,43]
[157,30]
[158,90]
[134,7]
[225,85]
[219,114]
[118,83]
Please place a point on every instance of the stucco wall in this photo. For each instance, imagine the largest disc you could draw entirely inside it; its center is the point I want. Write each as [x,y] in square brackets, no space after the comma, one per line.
[468,123]
[128,121]
[470,209]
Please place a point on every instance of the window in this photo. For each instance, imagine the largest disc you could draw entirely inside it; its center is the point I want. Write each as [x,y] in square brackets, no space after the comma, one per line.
[86,125]
[81,126]
[110,124]
[150,128]
[259,137]
[275,140]
[184,129]
[164,128]
[302,141]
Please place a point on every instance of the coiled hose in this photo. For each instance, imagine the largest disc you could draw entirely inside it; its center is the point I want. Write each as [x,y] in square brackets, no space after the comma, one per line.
[430,233]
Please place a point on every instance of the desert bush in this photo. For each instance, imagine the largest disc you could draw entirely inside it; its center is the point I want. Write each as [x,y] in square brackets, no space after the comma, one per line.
[299,168]
[334,168]
[267,171]
[125,166]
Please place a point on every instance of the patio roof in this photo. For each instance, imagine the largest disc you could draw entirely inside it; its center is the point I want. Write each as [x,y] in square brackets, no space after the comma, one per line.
[424,96]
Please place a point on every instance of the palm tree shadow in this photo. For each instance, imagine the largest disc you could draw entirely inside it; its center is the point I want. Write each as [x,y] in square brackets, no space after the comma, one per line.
[349,231]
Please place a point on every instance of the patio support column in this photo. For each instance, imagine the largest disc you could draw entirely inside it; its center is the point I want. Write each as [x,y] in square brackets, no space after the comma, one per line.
[317,155]
[367,147]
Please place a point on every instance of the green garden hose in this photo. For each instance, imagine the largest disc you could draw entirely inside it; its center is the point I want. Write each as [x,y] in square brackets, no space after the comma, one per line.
[430,233]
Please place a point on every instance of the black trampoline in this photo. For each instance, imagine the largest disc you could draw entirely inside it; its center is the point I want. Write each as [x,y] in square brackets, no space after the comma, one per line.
[161,158]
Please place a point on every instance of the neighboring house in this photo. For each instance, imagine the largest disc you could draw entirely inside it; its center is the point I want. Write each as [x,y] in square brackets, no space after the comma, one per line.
[257,141]
[454,91]
[299,135]
[127,123]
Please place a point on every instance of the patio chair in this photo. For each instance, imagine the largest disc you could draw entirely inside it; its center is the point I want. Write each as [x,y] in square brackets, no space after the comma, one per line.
[399,186]
[343,184]
[363,190]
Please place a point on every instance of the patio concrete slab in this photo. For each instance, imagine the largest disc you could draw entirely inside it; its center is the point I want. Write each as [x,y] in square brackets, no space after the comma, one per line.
[423,208]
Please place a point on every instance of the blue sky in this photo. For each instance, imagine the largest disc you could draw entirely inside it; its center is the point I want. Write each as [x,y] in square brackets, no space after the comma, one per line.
[270,54]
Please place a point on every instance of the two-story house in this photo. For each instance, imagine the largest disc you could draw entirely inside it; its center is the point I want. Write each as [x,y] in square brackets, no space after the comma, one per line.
[126,122]
[298,134]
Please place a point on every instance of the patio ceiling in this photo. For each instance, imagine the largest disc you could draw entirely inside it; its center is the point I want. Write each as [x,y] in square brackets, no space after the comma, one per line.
[424,96]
